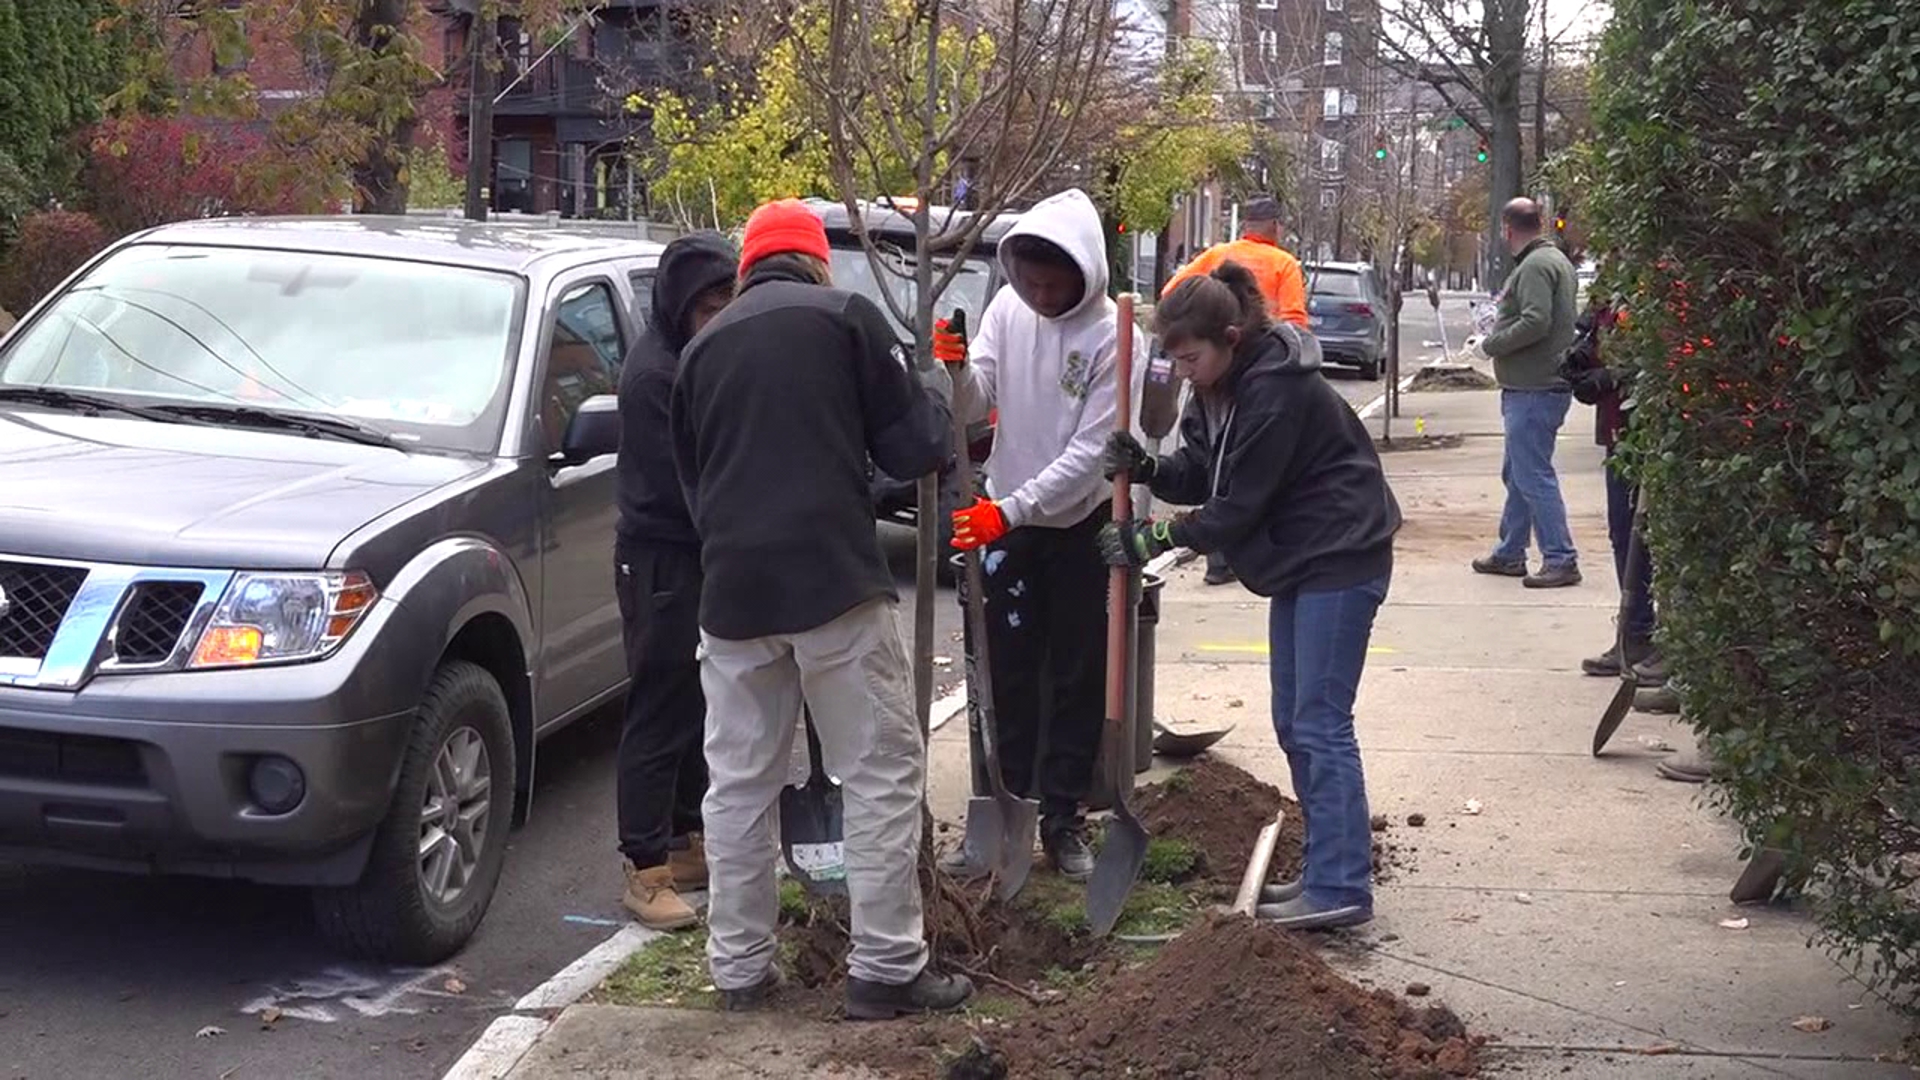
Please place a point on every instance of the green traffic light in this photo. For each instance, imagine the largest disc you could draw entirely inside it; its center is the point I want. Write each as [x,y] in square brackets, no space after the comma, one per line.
[1481,157]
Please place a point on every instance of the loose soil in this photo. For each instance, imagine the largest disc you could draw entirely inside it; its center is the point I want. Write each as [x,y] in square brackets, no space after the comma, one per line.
[1229,1000]
[1220,809]
[1450,377]
[1404,444]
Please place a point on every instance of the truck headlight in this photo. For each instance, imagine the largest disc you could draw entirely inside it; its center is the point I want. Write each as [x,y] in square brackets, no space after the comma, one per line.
[268,618]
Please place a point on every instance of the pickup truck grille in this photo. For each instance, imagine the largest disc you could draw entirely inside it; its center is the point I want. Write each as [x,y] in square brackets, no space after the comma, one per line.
[37,598]
[154,619]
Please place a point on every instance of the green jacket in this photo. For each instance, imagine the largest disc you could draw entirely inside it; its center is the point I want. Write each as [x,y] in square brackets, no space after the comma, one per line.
[1535,325]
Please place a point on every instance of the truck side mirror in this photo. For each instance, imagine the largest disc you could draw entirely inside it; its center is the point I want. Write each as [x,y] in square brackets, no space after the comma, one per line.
[593,432]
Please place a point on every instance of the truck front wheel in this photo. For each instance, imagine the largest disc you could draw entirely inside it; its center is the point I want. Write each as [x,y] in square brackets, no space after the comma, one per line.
[437,857]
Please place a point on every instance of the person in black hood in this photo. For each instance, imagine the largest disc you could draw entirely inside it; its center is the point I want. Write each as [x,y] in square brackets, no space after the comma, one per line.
[1290,488]
[662,772]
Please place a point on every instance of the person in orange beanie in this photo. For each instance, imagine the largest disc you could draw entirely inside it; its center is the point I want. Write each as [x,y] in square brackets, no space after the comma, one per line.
[781,401]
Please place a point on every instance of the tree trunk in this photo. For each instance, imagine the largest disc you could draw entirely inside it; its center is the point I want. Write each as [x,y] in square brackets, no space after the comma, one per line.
[1506,31]
[379,177]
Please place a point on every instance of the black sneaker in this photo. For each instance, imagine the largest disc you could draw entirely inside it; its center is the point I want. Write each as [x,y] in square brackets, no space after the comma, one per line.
[1554,577]
[1220,575]
[1497,567]
[1067,849]
[928,992]
[1607,664]
[750,998]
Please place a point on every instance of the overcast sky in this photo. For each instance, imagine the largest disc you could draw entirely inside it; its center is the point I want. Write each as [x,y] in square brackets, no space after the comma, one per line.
[1567,20]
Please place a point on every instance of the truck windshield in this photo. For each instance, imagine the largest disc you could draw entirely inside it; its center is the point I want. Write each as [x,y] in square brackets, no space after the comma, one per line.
[415,351]
[853,271]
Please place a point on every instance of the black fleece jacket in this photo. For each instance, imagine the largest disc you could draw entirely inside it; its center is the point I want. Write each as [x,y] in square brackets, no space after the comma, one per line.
[1288,484]
[782,398]
[653,508]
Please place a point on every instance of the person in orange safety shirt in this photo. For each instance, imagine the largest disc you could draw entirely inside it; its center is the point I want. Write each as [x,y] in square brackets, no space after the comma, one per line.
[1281,280]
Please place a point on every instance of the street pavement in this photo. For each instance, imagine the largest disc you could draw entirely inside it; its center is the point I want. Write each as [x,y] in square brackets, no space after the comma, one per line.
[104,971]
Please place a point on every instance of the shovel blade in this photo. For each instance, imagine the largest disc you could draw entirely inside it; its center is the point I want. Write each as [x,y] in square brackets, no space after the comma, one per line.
[1121,856]
[813,837]
[1186,744]
[986,831]
[1019,828]
[1615,715]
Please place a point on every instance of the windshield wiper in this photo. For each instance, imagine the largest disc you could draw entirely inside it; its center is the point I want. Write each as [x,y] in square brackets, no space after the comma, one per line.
[75,401]
[320,427]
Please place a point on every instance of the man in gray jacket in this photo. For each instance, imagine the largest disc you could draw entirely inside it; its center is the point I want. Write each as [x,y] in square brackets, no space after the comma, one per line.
[1534,329]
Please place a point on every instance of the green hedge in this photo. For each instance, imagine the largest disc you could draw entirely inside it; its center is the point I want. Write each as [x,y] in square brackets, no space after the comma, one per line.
[1759,204]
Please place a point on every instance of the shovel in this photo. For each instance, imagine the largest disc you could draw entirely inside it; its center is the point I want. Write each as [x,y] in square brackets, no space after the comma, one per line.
[1125,849]
[813,827]
[1622,702]
[1001,827]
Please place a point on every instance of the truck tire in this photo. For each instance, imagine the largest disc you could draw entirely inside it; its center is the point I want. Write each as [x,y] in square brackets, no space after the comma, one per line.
[415,909]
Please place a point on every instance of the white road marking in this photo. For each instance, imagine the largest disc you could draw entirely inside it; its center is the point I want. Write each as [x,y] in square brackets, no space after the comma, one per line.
[577,979]
[1372,408]
[498,1049]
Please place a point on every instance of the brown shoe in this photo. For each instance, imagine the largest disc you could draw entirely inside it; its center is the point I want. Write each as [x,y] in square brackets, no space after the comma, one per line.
[689,866]
[653,901]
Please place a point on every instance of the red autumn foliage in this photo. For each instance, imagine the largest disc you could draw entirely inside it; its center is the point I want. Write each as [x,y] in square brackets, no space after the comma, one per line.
[52,244]
[146,171]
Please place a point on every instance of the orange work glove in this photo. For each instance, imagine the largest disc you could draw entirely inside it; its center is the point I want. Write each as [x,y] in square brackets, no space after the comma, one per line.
[978,525]
[948,347]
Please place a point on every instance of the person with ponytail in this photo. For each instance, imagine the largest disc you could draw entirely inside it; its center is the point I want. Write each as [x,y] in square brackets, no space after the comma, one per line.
[1289,488]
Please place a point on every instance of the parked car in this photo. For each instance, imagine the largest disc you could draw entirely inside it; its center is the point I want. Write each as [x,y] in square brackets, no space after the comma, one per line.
[1349,315]
[306,542]
[895,499]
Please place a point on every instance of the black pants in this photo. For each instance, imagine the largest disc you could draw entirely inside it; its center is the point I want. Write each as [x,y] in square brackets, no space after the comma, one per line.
[662,768]
[1046,593]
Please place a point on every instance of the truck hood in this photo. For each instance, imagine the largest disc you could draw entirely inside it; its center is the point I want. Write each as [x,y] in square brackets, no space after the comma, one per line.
[103,489]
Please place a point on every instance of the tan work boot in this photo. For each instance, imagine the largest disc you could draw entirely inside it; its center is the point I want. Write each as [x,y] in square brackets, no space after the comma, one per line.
[689,866]
[653,901]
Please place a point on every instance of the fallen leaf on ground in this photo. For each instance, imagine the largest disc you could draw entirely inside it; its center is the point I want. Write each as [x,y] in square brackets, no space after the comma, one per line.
[455,986]
[1655,742]
[1418,821]
[1734,924]
[1235,703]
[1473,806]
[209,1032]
[270,1016]
[1524,898]
[1661,1048]
[1812,1024]
[1418,989]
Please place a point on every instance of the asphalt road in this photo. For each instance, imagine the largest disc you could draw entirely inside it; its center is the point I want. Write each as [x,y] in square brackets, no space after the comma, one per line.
[108,976]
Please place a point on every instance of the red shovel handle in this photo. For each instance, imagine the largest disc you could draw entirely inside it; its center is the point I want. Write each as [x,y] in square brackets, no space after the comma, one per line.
[1117,586]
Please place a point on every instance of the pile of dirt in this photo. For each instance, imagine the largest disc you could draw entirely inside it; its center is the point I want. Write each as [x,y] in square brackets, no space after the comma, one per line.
[1402,443]
[1450,377]
[1220,809]
[1235,999]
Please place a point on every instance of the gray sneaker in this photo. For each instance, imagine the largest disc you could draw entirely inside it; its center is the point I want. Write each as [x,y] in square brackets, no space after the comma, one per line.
[1496,566]
[1279,892]
[1554,577]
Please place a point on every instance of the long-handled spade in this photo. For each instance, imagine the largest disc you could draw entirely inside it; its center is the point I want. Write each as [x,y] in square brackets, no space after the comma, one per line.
[1001,827]
[1622,702]
[1125,848]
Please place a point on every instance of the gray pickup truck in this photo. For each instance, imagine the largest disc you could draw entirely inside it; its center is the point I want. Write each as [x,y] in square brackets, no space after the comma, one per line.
[306,535]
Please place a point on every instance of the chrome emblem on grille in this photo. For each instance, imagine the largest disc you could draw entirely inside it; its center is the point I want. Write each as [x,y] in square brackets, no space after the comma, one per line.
[6,603]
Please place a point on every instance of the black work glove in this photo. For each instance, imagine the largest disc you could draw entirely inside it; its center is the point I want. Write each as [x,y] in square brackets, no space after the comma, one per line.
[1124,454]
[1134,543]
[1593,384]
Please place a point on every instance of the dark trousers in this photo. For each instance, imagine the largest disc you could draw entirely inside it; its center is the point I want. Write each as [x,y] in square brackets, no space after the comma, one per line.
[662,769]
[1620,499]
[1046,593]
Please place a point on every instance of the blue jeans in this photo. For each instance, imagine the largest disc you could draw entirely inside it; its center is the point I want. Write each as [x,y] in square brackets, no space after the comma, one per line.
[1620,497]
[1532,420]
[1318,642]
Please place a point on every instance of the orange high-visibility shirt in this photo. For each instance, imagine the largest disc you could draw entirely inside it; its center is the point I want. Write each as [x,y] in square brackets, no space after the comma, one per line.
[1281,280]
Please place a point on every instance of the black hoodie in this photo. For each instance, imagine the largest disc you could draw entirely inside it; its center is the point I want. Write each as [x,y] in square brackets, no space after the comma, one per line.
[653,508]
[781,401]
[1288,484]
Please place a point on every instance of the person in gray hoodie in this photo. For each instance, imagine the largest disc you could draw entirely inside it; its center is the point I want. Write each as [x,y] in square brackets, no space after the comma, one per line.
[1044,357]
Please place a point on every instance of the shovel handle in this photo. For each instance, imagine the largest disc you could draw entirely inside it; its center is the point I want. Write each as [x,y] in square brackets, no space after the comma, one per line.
[1120,579]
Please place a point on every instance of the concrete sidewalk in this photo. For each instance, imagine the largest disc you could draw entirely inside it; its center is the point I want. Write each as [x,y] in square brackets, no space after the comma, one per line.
[1576,917]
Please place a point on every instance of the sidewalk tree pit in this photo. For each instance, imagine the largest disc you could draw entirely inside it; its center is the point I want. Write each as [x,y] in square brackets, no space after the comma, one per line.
[1225,997]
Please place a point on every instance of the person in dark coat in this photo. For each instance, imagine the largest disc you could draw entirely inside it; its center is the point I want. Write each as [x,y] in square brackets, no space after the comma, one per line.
[1289,487]
[662,774]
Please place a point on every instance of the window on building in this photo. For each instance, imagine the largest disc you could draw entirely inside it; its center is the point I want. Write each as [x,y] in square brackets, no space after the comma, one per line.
[1329,198]
[1269,45]
[1336,5]
[1334,45]
[1332,159]
[1330,103]
[1268,5]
